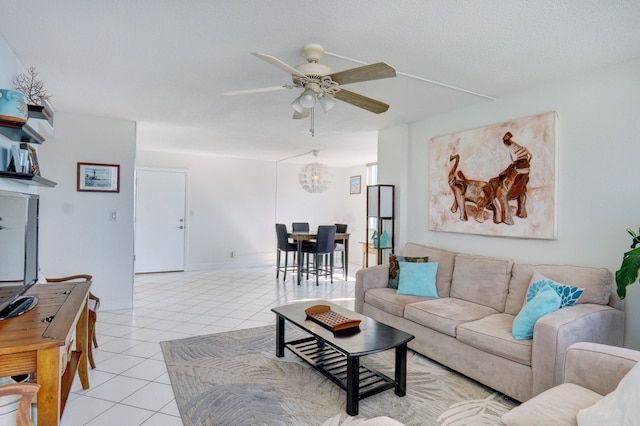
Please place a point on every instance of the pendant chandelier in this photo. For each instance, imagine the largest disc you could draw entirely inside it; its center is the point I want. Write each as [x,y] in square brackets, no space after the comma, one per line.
[314,177]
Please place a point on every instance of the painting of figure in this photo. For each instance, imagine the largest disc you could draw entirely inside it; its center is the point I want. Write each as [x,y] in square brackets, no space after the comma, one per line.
[498,180]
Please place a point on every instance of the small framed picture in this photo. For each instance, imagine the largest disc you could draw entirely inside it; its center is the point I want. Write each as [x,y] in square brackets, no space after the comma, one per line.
[96,177]
[354,187]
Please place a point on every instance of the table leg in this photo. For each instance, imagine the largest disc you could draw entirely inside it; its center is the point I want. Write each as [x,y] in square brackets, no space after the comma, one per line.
[48,377]
[353,384]
[346,259]
[82,345]
[401,370]
[279,336]
[299,261]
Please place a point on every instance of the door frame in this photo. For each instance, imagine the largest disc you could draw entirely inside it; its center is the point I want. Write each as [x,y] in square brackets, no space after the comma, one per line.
[187,203]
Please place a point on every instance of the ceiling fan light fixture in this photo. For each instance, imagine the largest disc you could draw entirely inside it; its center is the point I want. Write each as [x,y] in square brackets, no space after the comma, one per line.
[297,105]
[308,98]
[326,102]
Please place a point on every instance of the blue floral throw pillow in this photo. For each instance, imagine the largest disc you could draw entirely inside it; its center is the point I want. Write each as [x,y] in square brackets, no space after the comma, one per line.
[569,294]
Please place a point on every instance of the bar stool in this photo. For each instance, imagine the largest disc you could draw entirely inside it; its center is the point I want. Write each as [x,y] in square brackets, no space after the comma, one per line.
[323,247]
[284,246]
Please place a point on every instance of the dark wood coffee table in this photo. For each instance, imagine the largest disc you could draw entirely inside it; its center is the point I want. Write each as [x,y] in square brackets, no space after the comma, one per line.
[337,355]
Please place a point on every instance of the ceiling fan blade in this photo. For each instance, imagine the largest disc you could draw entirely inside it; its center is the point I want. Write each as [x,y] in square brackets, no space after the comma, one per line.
[278,63]
[365,73]
[304,114]
[361,101]
[260,90]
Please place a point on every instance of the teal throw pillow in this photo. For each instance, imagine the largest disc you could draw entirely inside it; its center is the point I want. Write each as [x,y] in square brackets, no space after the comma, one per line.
[418,279]
[394,268]
[544,302]
[568,293]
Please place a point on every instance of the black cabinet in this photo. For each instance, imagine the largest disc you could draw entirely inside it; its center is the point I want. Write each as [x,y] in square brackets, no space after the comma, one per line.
[380,221]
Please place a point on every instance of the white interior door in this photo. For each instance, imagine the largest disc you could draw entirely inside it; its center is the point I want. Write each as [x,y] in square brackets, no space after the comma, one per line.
[160,220]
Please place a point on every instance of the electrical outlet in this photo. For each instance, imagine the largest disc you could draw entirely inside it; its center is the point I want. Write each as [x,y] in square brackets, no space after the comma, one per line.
[114,216]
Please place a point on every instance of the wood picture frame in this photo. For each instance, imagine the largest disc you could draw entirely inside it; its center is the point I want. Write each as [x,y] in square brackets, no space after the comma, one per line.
[355,184]
[98,177]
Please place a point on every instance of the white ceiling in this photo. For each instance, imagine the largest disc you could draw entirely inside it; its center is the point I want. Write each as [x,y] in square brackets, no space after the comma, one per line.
[166,63]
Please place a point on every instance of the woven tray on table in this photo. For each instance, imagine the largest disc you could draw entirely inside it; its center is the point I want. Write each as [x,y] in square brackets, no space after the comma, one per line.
[323,315]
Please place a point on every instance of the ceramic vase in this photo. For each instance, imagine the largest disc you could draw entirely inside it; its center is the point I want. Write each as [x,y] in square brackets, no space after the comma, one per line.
[13,108]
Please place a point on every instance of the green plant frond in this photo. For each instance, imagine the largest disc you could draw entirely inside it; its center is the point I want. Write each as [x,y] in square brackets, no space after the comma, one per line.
[628,272]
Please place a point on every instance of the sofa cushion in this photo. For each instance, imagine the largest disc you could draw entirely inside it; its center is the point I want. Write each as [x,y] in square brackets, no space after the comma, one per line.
[556,406]
[492,334]
[617,408]
[569,294]
[545,301]
[597,283]
[480,279]
[387,300]
[394,267]
[418,279]
[445,261]
[444,315]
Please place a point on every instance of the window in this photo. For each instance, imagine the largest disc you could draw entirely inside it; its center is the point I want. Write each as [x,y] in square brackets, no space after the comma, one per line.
[372,179]
[372,174]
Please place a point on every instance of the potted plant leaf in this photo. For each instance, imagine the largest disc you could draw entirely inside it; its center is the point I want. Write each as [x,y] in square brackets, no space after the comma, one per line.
[628,272]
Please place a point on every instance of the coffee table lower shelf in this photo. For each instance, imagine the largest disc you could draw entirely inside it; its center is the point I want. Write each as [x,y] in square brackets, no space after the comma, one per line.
[334,365]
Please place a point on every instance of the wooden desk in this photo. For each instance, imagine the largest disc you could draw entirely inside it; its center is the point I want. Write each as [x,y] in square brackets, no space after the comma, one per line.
[299,237]
[41,341]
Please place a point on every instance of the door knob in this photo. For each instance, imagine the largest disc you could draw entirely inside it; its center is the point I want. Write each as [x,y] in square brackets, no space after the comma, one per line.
[180,227]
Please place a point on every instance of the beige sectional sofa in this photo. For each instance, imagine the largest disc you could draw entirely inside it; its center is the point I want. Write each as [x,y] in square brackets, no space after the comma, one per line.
[469,326]
[591,371]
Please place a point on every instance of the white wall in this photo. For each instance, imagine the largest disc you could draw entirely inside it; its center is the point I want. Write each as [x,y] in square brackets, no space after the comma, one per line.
[598,173]
[76,233]
[234,204]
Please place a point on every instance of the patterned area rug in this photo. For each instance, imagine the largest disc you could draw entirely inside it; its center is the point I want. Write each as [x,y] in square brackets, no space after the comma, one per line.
[234,378]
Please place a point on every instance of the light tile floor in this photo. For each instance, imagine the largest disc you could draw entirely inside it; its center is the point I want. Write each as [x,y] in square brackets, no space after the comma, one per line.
[130,385]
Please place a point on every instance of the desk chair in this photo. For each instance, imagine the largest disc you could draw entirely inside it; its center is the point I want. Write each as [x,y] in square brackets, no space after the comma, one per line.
[284,246]
[323,247]
[94,305]
[341,228]
[27,391]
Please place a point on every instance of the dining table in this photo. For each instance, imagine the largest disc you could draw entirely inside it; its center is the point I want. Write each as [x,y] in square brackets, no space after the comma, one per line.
[300,237]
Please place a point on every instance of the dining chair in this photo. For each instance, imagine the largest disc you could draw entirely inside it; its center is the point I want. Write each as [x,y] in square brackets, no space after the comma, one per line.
[322,248]
[26,391]
[300,226]
[341,228]
[284,246]
[93,305]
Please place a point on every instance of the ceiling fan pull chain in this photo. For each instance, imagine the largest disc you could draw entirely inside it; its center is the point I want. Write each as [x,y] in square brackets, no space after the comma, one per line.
[312,129]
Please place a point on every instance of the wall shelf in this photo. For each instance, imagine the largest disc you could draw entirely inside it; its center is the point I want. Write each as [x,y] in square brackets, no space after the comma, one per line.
[28,179]
[32,132]
[25,134]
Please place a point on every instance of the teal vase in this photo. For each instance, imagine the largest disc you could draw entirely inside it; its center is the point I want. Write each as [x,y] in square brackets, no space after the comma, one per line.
[13,108]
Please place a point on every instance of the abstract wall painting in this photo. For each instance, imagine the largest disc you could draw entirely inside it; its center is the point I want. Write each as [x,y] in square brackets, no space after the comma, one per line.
[498,180]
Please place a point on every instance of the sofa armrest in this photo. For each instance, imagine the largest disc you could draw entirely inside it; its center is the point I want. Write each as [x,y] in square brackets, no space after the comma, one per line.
[598,367]
[555,332]
[372,277]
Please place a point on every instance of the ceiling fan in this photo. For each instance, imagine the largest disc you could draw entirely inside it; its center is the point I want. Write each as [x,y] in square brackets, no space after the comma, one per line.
[321,85]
